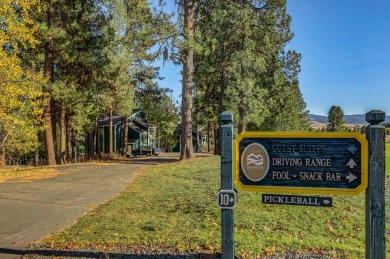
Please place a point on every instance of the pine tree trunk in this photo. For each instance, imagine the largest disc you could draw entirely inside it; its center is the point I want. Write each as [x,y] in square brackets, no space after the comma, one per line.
[47,109]
[242,115]
[125,130]
[54,125]
[208,137]
[241,108]
[90,145]
[49,142]
[221,108]
[187,151]
[95,138]
[2,159]
[63,137]
[216,140]
[197,140]
[110,133]
[72,145]
[36,153]
[69,134]
[158,137]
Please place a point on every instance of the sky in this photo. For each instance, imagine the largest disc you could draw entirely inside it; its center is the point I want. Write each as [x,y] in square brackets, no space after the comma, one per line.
[345,47]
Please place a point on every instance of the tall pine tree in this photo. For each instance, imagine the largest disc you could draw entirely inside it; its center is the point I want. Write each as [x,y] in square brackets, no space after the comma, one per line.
[335,119]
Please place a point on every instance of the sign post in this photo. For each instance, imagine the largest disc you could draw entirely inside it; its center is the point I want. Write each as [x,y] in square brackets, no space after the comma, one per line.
[301,162]
[227,190]
[375,194]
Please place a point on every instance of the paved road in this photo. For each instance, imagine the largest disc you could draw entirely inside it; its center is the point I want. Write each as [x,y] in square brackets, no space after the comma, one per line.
[30,211]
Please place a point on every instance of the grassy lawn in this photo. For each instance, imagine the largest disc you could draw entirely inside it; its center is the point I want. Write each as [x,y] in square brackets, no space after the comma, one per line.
[173,206]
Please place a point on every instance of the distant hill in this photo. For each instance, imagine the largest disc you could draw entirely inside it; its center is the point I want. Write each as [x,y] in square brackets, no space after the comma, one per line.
[357,119]
[318,119]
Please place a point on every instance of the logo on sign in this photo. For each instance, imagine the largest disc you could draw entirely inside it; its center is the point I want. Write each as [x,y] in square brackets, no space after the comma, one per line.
[254,159]
[255,162]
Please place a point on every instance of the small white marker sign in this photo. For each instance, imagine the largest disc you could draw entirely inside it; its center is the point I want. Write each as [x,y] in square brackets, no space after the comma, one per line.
[227,199]
[297,200]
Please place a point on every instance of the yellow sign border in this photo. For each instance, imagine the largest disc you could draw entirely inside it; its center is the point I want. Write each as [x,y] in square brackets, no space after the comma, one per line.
[304,135]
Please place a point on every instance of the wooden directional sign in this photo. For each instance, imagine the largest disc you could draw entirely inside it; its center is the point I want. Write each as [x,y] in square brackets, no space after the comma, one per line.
[318,162]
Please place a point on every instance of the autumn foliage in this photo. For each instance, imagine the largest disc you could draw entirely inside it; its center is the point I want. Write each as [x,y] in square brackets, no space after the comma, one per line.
[20,85]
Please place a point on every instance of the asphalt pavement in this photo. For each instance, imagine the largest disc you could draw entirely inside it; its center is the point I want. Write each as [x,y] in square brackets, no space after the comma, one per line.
[30,211]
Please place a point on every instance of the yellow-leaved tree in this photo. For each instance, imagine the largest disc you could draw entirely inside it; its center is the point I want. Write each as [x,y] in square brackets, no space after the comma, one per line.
[20,84]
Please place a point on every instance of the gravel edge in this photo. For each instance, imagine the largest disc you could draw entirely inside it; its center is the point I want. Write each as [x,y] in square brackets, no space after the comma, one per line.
[145,252]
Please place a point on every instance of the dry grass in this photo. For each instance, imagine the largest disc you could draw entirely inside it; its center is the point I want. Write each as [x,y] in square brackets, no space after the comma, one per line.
[26,173]
[30,173]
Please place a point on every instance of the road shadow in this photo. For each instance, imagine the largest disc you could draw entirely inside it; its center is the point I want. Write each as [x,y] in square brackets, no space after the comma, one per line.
[154,160]
[150,160]
[50,253]
[142,160]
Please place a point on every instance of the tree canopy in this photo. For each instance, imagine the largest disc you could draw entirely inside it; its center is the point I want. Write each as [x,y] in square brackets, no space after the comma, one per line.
[242,44]
[67,64]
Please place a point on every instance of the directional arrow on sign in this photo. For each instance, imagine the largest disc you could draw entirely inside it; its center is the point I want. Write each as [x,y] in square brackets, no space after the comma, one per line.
[351,163]
[352,149]
[351,177]
[326,202]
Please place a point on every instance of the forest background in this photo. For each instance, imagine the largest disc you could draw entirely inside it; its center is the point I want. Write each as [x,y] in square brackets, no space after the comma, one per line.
[66,64]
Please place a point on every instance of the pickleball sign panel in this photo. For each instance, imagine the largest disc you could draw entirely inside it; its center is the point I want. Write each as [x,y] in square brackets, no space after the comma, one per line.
[321,162]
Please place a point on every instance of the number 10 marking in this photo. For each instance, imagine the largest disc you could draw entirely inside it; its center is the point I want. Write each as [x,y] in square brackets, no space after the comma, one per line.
[224,199]
[227,199]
